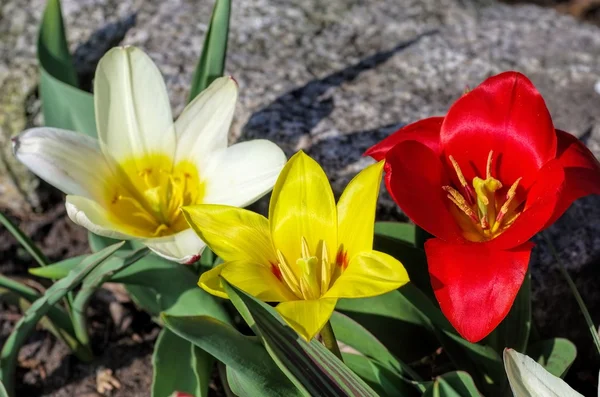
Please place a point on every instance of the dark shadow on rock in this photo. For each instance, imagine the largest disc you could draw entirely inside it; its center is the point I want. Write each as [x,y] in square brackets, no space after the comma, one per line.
[294,114]
[88,54]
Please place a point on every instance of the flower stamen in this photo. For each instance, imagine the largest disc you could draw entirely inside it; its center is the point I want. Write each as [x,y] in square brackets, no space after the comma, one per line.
[470,196]
[490,221]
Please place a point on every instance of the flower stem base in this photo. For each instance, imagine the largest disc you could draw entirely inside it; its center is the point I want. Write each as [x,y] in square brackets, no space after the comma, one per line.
[329,340]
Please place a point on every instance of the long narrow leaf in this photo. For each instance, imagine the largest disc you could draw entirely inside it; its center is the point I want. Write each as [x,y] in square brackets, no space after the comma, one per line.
[10,350]
[253,367]
[452,384]
[53,50]
[212,60]
[57,270]
[175,285]
[90,285]
[555,355]
[59,322]
[25,241]
[356,336]
[176,363]
[3,392]
[310,366]
[63,104]
[379,378]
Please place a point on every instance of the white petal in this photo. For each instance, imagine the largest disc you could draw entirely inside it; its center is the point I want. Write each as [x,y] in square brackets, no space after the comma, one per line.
[183,247]
[528,378]
[204,124]
[133,114]
[242,173]
[69,161]
[93,217]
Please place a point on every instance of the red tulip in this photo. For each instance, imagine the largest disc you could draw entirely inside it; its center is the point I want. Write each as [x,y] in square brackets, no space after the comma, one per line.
[484,180]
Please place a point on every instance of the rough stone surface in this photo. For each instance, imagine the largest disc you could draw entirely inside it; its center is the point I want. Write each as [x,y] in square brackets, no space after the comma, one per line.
[335,77]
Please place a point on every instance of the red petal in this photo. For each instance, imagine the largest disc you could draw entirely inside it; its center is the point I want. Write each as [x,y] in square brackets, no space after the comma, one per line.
[505,114]
[541,203]
[474,284]
[582,172]
[425,131]
[414,177]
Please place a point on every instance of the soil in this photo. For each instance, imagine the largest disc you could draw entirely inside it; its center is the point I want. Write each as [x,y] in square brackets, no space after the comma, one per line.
[122,336]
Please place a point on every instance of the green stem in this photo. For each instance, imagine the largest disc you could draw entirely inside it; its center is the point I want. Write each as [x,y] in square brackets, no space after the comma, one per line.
[582,307]
[330,341]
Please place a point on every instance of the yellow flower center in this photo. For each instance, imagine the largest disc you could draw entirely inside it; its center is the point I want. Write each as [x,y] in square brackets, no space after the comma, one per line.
[313,275]
[147,193]
[485,211]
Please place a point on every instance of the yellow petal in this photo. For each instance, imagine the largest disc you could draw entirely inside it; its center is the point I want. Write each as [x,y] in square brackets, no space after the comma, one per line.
[356,210]
[257,280]
[210,281]
[232,233]
[302,205]
[369,273]
[307,317]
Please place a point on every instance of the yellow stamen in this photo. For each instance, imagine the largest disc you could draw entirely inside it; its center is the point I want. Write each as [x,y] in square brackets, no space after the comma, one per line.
[288,275]
[510,195]
[147,192]
[488,168]
[460,202]
[463,181]
[483,210]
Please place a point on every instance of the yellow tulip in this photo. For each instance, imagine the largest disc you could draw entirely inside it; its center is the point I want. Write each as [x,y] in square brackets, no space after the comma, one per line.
[309,253]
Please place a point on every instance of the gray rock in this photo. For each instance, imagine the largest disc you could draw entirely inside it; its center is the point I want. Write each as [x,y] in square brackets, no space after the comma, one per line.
[333,78]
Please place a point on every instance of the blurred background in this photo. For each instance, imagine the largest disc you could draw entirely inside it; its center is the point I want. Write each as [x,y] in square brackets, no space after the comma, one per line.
[331,78]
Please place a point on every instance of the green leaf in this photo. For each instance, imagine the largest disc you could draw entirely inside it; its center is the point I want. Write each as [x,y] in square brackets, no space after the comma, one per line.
[396,230]
[356,336]
[482,362]
[311,367]
[175,285]
[404,311]
[63,104]
[212,60]
[253,367]
[57,270]
[92,282]
[21,331]
[380,379]
[529,379]
[53,50]
[58,320]
[555,355]
[179,366]
[25,241]
[413,259]
[145,298]
[452,384]
[3,392]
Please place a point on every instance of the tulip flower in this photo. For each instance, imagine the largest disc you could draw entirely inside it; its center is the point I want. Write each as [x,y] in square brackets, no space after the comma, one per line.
[484,180]
[131,181]
[309,253]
